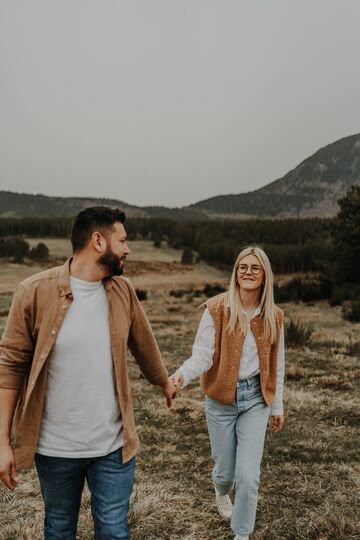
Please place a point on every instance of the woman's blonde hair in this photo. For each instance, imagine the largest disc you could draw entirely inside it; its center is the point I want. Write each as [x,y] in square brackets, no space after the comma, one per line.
[267,304]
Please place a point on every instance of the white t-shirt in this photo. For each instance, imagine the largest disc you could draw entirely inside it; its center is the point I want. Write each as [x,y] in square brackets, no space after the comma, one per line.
[81,415]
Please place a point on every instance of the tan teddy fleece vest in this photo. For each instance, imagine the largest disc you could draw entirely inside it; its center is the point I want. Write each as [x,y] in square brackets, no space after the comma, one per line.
[220,381]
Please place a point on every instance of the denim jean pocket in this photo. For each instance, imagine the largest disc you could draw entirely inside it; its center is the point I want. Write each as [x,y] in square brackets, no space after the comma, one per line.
[254,390]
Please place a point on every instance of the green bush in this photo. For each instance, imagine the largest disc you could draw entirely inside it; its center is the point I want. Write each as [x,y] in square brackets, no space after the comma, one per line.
[39,252]
[157,242]
[141,294]
[344,293]
[305,290]
[212,289]
[351,311]
[187,256]
[15,247]
[297,334]
[353,348]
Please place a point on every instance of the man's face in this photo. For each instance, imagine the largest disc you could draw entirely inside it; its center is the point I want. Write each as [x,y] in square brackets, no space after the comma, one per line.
[114,257]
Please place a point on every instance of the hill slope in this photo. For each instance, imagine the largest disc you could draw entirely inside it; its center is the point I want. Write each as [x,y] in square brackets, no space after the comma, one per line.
[26,205]
[311,189]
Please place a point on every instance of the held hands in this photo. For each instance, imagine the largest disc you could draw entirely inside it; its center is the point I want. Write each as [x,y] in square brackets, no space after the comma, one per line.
[8,474]
[169,391]
[172,385]
[276,423]
[177,379]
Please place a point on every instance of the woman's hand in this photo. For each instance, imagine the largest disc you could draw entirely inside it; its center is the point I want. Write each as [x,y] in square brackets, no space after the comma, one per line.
[276,423]
[177,379]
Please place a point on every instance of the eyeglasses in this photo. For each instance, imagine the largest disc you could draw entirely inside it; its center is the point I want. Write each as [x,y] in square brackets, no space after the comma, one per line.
[255,269]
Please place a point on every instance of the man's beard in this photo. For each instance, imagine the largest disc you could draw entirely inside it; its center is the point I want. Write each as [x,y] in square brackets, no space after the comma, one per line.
[111,262]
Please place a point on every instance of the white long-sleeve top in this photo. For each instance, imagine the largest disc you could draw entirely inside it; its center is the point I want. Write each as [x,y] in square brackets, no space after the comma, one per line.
[203,350]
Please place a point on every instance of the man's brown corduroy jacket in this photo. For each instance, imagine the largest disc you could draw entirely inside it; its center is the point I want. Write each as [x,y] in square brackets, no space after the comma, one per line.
[36,314]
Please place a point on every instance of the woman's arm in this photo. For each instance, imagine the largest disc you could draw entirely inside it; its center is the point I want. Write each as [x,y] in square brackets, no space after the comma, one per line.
[201,358]
[277,407]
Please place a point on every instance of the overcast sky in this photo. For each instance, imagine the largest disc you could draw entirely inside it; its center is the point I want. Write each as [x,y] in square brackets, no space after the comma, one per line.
[171,101]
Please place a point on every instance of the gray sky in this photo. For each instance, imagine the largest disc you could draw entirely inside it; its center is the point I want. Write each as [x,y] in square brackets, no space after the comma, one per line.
[171,101]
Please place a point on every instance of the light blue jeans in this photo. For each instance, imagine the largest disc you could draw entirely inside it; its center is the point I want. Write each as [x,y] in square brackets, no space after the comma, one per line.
[237,434]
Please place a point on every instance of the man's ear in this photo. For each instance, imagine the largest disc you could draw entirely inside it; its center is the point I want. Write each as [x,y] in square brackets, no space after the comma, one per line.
[98,242]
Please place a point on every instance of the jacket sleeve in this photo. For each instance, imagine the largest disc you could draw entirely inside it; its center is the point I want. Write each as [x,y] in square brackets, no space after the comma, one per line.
[16,346]
[143,345]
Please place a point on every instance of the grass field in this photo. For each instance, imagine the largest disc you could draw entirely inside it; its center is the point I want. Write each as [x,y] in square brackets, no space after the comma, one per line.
[310,473]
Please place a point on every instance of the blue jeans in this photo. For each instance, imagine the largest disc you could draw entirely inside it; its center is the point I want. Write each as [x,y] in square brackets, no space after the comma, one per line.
[110,483]
[237,434]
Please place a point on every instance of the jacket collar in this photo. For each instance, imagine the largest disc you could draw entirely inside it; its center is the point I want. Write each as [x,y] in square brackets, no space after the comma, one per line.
[64,279]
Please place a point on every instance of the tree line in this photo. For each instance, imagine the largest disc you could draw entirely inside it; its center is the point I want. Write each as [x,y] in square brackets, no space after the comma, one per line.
[293,245]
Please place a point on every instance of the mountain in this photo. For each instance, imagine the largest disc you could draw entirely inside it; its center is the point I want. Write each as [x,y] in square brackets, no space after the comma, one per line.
[26,205]
[311,189]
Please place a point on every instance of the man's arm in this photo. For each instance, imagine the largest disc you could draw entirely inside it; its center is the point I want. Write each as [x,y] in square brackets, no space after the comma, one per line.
[8,400]
[16,346]
[143,345]
[16,351]
[144,348]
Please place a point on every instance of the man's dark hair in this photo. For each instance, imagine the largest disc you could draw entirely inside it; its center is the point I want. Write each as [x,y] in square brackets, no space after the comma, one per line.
[94,218]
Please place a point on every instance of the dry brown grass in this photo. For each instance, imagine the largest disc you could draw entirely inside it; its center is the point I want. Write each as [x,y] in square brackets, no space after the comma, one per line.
[310,474]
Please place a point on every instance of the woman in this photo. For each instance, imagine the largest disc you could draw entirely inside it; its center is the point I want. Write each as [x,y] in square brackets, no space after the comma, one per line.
[239,353]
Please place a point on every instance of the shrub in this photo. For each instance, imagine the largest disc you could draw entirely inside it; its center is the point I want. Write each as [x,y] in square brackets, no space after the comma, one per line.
[346,232]
[14,247]
[304,290]
[353,348]
[187,256]
[297,334]
[290,292]
[343,293]
[179,293]
[157,242]
[351,311]
[39,252]
[213,289]
[310,291]
[141,294]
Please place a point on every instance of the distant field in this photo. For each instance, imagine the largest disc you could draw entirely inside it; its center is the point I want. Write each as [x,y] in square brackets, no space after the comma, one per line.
[311,472]
[141,250]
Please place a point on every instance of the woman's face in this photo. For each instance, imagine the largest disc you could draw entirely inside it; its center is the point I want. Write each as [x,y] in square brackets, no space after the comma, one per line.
[250,273]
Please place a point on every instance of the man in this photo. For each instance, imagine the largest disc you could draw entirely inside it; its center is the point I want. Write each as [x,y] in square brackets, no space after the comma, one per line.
[64,385]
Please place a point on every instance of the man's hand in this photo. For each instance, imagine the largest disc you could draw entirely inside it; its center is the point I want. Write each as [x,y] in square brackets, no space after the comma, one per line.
[8,474]
[276,423]
[169,391]
[177,379]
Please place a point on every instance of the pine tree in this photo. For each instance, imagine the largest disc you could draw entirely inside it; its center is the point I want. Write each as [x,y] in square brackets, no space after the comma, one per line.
[347,238]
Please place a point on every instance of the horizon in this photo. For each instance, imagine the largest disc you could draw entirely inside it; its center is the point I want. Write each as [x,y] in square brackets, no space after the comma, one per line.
[162,205]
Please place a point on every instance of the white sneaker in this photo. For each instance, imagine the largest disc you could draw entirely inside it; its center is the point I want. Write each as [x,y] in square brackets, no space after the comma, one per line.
[238,537]
[224,505]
